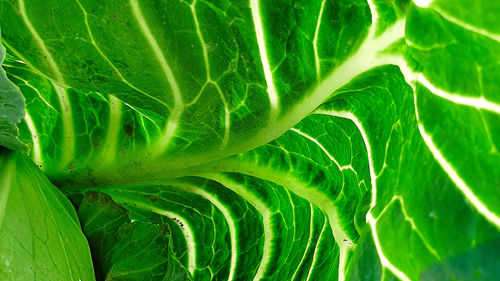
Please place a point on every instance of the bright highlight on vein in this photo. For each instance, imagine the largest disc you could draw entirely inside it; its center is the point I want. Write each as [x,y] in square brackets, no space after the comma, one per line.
[375,16]
[172,123]
[188,234]
[459,182]
[476,102]
[263,209]
[422,3]
[229,219]
[317,61]
[491,35]
[259,30]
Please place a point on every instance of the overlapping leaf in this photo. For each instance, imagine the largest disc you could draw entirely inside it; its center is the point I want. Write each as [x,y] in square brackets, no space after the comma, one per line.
[11,110]
[40,234]
[217,78]
[391,173]
[126,250]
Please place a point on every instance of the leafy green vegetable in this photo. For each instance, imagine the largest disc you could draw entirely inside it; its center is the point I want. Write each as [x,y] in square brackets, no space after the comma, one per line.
[127,250]
[268,140]
[11,110]
[40,235]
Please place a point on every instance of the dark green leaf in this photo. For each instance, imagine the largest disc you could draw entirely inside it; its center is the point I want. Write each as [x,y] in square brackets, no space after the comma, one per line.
[11,110]
[126,250]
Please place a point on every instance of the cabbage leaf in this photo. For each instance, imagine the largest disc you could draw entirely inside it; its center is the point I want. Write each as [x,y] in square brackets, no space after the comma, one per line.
[275,140]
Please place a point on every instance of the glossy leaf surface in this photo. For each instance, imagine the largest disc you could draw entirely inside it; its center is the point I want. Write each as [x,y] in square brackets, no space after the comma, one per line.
[278,140]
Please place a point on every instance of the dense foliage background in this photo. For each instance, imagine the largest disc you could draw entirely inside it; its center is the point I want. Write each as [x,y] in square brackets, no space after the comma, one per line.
[250,140]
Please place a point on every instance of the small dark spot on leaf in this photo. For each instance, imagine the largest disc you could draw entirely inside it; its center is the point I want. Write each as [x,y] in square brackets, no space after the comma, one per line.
[128,130]
[113,16]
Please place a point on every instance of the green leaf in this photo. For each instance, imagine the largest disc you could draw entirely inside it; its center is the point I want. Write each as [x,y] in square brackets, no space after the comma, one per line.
[11,110]
[481,263]
[235,76]
[388,155]
[125,250]
[278,140]
[40,235]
